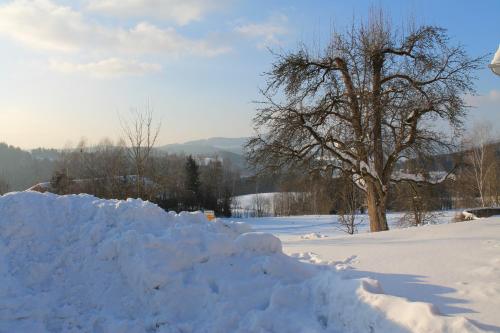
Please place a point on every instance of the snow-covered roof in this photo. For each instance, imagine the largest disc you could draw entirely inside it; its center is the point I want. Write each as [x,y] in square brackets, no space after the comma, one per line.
[46,186]
[40,187]
[496,57]
[495,63]
[431,177]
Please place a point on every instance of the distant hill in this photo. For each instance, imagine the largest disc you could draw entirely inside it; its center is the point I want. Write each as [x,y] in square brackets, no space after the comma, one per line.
[207,146]
[229,149]
[21,169]
[448,161]
[44,153]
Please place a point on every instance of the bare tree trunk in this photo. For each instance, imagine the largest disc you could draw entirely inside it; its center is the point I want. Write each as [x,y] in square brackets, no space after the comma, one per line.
[376,202]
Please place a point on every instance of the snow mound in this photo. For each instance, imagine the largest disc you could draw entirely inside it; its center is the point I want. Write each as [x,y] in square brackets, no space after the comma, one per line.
[259,242]
[80,264]
[313,235]
[310,257]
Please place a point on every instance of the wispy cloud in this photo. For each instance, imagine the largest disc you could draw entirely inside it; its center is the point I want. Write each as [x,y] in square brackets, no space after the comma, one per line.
[266,33]
[180,11]
[44,24]
[108,68]
[63,31]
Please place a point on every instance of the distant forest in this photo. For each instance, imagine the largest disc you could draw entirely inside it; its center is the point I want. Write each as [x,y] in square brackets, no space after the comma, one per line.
[20,169]
[177,181]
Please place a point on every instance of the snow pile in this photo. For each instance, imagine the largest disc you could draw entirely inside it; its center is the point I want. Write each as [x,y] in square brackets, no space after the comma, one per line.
[311,257]
[313,235]
[469,216]
[80,264]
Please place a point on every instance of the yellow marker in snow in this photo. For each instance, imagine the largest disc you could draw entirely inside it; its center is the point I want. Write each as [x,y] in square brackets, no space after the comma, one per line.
[210,214]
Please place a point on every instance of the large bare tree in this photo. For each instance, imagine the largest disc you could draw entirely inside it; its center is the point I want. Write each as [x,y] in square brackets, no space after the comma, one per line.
[369,99]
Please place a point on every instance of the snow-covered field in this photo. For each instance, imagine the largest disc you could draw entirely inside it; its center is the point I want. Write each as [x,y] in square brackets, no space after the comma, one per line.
[454,266]
[80,264]
[322,225]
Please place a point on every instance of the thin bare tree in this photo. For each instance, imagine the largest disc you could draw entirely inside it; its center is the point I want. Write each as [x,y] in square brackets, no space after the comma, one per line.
[261,205]
[348,219]
[419,206]
[141,133]
[368,100]
[480,157]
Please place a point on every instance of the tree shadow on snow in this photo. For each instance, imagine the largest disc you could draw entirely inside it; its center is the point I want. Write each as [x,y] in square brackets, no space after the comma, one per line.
[486,327]
[295,229]
[415,288]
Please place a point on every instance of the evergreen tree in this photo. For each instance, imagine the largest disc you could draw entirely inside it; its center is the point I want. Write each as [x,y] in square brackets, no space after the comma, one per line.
[192,197]
[225,203]
[211,178]
[4,186]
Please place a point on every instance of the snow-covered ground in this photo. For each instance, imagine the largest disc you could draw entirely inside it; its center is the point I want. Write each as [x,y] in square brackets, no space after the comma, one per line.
[454,266]
[326,225]
[80,264]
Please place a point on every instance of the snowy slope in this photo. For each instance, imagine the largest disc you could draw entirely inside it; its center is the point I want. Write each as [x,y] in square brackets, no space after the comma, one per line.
[247,201]
[454,266]
[245,205]
[80,264]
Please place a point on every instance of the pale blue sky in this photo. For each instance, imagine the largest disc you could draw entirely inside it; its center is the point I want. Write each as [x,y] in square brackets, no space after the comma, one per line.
[68,68]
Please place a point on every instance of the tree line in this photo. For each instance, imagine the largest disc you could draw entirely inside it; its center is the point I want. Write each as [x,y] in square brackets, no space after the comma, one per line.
[174,182]
[178,182]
